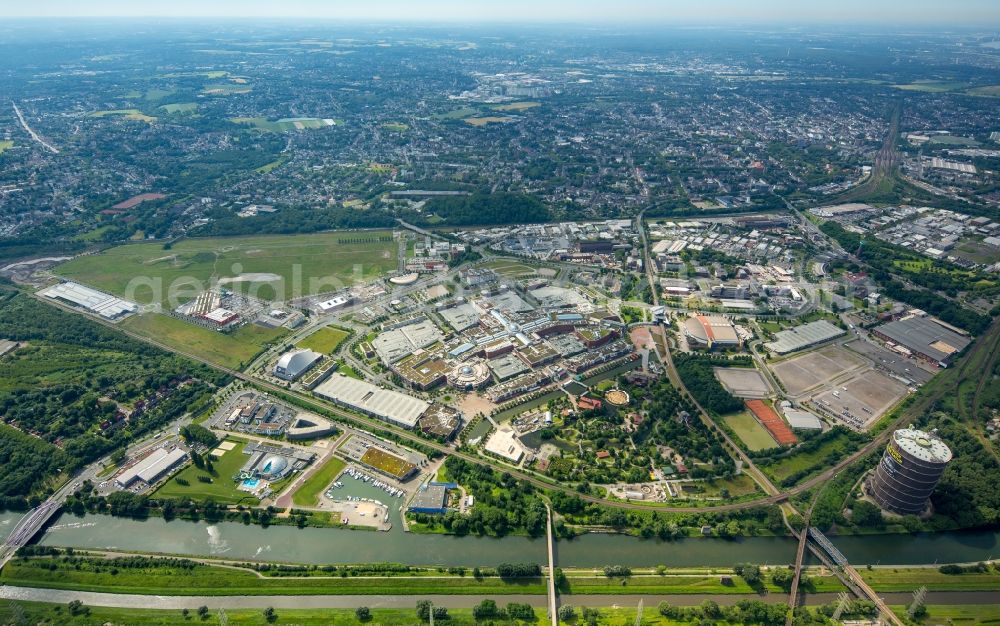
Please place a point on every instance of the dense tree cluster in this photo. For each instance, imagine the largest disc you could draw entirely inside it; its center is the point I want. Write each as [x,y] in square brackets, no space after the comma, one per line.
[292,220]
[486,208]
[83,386]
[27,462]
[667,526]
[743,612]
[515,506]
[967,494]
[700,380]
[195,433]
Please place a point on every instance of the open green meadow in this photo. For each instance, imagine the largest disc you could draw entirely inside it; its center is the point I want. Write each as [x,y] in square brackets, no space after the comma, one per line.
[285,124]
[132,114]
[325,340]
[180,107]
[222,489]
[807,463]
[992,91]
[516,106]
[6,145]
[264,265]
[226,89]
[214,580]
[308,493]
[488,119]
[749,430]
[457,114]
[233,350]
[510,268]
[932,86]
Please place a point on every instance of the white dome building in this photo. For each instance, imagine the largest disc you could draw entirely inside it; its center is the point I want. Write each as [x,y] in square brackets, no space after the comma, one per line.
[295,363]
[272,467]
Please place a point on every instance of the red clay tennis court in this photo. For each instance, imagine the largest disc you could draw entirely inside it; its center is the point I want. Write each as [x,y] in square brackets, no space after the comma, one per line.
[772,422]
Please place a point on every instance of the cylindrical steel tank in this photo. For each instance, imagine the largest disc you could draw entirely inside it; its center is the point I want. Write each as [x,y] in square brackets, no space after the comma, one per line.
[908,472]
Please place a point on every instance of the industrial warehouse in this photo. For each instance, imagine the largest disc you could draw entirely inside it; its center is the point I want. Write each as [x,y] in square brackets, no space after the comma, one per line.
[802,337]
[385,404]
[924,337]
[158,464]
[97,302]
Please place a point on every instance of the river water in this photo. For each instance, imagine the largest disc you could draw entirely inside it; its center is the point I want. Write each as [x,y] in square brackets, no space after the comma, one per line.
[233,540]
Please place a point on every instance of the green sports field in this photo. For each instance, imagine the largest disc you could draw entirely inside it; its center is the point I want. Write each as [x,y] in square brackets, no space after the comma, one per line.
[272,267]
[751,433]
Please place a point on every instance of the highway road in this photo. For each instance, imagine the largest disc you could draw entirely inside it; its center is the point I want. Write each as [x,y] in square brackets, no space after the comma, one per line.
[30,131]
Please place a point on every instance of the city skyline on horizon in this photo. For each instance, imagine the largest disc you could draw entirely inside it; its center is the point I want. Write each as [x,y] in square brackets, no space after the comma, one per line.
[919,12]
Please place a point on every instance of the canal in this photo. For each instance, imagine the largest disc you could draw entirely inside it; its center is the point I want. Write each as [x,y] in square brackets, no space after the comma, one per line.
[233,540]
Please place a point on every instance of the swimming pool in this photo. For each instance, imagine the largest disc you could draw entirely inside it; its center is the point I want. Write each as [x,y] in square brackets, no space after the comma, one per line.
[251,483]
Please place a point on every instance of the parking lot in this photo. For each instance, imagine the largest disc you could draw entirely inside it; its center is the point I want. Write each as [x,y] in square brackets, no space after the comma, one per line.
[803,372]
[892,362]
[743,382]
[861,400]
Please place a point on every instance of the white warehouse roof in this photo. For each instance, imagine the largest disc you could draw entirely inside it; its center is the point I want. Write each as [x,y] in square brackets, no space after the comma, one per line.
[151,468]
[103,304]
[386,404]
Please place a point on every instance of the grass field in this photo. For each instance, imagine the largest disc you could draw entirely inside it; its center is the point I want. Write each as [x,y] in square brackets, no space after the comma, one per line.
[516,106]
[489,119]
[956,614]
[6,145]
[222,489]
[810,462]
[751,433]
[325,340]
[92,235]
[931,86]
[285,124]
[457,114]
[233,350]
[737,486]
[273,165]
[180,107]
[212,580]
[132,114]
[226,89]
[268,265]
[952,140]
[989,90]
[57,615]
[388,463]
[308,494]
[906,579]
[510,268]
[397,127]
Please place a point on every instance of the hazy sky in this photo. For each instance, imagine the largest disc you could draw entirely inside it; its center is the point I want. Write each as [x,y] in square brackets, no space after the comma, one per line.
[973,12]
